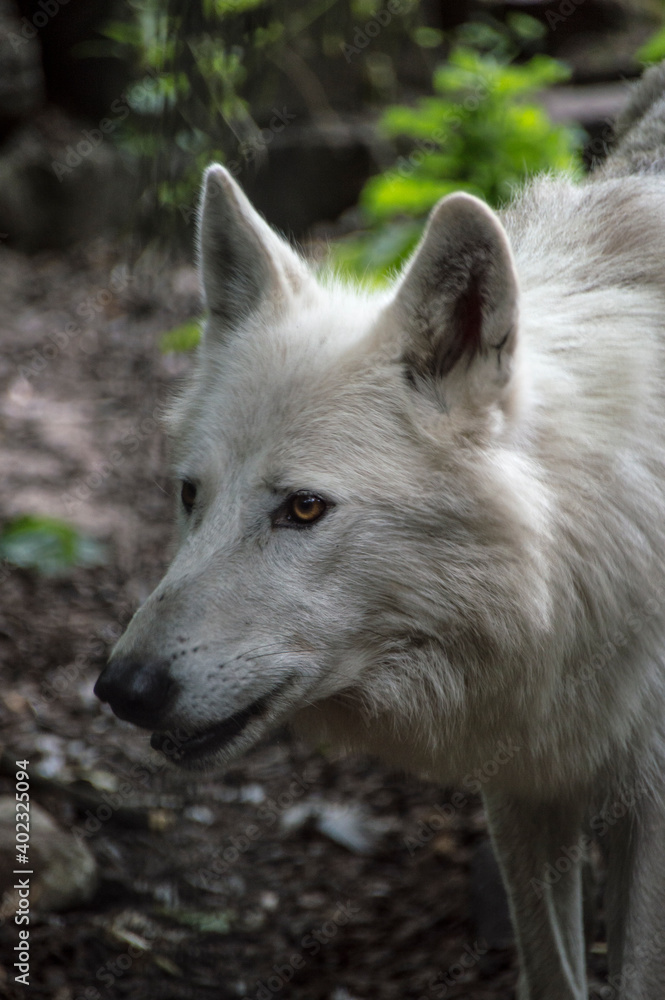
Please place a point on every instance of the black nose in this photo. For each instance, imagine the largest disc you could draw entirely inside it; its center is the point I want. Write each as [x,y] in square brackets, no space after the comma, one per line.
[137,692]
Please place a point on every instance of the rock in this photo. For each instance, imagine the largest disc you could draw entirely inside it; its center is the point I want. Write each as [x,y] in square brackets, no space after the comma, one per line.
[65,872]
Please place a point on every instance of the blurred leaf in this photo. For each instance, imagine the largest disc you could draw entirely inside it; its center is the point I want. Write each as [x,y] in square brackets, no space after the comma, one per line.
[155,92]
[483,37]
[183,338]
[270,35]
[364,9]
[373,255]
[127,32]
[653,50]
[385,195]
[525,27]
[481,132]
[218,66]
[222,8]
[427,38]
[47,545]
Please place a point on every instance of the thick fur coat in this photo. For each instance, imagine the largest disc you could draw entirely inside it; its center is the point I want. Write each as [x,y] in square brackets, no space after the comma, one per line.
[424,521]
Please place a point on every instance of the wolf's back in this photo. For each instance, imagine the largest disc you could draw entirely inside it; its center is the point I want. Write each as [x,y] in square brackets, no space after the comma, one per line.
[639,131]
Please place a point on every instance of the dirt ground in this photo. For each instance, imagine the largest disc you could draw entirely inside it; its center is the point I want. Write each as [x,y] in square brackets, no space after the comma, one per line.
[293,874]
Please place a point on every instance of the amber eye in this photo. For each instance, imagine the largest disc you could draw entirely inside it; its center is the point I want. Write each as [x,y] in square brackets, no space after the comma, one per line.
[300,510]
[188,495]
[306,507]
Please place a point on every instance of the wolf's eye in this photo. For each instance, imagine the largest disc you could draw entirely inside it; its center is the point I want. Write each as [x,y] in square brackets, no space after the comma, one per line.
[300,510]
[306,507]
[188,495]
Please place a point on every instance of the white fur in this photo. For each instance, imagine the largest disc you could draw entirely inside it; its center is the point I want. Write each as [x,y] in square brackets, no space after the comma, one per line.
[493,566]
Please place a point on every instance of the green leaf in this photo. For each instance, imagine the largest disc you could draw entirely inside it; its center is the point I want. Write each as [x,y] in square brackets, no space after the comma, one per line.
[391,194]
[223,8]
[183,338]
[527,28]
[427,38]
[123,31]
[374,255]
[481,131]
[363,9]
[653,50]
[482,36]
[155,92]
[48,545]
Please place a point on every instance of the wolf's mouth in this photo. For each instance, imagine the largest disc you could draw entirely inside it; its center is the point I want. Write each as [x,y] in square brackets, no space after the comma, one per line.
[209,741]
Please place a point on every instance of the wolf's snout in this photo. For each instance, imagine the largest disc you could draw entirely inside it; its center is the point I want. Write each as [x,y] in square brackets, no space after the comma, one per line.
[137,692]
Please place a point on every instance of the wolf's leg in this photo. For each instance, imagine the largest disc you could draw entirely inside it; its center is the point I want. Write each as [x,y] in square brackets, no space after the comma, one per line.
[540,851]
[635,896]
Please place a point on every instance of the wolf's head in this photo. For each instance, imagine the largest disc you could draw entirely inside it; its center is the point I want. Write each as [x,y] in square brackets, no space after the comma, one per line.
[359,547]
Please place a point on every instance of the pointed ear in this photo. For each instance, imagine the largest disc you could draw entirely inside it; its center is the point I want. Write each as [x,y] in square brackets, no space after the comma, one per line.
[457,305]
[245,266]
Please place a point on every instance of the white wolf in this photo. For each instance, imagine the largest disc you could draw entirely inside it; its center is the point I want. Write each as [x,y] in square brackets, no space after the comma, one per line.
[423,521]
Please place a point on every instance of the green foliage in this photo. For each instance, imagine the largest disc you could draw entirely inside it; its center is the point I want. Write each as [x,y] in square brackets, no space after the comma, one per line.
[653,50]
[478,135]
[183,338]
[48,545]
[481,132]
[374,255]
[222,8]
[188,79]
[427,38]
[208,75]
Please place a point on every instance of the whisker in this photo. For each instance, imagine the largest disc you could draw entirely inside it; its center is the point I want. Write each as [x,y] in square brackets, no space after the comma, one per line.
[250,652]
